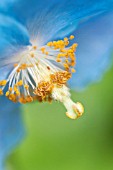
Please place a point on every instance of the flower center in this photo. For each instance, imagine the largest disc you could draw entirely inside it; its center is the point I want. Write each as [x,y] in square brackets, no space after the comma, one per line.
[42,74]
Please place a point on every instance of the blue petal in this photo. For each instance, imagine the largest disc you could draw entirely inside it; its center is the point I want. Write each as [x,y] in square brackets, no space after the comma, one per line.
[4,71]
[47,20]
[13,37]
[11,127]
[95,39]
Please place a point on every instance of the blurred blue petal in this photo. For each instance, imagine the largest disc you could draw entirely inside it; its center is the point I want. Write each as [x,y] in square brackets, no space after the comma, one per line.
[11,127]
[95,39]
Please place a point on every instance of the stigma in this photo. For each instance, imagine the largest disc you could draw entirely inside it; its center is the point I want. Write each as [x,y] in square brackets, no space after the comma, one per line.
[42,73]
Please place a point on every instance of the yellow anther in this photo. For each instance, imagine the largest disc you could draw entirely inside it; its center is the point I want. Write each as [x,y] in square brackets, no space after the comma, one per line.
[71,37]
[22,100]
[66,66]
[15,88]
[1,92]
[43,49]
[64,54]
[32,54]
[15,65]
[61,42]
[66,61]
[34,47]
[70,51]
[58,60]
[59,55]
[30,65]
[74,46]
[23,66]
[29,99]
[26,87]
[7,93]
[18,70]
[50,44]
[62,50]
[46,53]
[3,82]
[12,97]
[54,43]
[66,43]
[44,90]
[65,39]
[20,83]
[72,63]
[73,70]
[10,89]
[60,78]
[17,93]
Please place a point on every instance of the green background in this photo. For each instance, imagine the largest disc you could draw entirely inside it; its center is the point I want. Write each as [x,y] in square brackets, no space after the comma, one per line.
[54,142]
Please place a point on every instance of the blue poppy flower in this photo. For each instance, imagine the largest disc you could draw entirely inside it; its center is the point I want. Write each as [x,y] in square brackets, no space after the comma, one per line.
[29,45]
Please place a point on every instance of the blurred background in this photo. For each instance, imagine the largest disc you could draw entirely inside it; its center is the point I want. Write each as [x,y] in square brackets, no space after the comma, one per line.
[54,142]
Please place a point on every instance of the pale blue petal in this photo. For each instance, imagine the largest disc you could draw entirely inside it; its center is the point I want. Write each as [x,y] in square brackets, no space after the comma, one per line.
[55,19]
[4,71]
[95,39]
[13,37]
[11,127]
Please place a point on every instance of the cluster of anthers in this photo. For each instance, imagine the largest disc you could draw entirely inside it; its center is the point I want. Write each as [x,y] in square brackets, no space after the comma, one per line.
[42,74]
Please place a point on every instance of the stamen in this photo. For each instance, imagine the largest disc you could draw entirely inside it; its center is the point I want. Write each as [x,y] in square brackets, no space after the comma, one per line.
[3,82]
[1,92]
[72,37]
[37,76]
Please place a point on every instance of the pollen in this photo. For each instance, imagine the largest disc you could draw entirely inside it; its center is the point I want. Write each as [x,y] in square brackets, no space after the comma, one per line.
[34,47]
[3,82]
[1,92]
[15,65]
[50,44]
[73,70]
[20,83]
[10,89]
[65,39]
[32,55]
[60,78]
[71,37]
[44,90]
[42,74]
[42,49]
[26,86]
[7,93]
